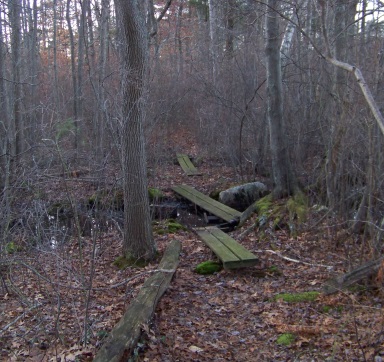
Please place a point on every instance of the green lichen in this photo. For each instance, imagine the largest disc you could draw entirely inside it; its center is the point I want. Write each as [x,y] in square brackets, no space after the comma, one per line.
[298,297]
[208,267]
[286,339]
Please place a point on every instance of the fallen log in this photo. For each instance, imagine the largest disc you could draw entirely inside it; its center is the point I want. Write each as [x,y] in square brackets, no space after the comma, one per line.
[343,281]
[125,335]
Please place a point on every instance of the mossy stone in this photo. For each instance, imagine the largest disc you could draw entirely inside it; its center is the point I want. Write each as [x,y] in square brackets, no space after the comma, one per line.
[286,339]
[208,267]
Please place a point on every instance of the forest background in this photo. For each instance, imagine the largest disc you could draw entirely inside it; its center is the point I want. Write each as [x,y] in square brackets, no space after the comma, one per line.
[61,128]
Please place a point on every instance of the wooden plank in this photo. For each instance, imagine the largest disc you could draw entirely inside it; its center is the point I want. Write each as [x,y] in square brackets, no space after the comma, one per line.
[187,165]
[224,254]
[229,251]
[214,207]
[124,337]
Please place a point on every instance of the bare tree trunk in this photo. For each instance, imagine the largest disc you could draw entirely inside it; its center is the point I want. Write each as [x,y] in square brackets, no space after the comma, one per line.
[4,121]
[55,72]
[80,72]
[18,135]
[138,239]
[284,181]
[73,58]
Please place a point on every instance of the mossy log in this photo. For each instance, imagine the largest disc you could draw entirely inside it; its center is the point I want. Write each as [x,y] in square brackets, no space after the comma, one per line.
[360,273]
[124,337]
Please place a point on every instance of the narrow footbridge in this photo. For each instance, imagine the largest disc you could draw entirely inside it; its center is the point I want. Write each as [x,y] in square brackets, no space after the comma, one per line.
[205,202]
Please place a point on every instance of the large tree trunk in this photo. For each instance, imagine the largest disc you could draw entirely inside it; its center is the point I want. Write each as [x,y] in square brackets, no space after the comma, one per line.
[138,240]
[284,181]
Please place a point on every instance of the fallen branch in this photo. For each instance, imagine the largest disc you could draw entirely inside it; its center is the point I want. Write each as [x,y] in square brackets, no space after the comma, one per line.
[124,337]
[345,280]
[293,260]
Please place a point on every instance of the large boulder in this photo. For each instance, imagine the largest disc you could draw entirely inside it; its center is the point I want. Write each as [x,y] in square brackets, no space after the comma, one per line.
[240,197]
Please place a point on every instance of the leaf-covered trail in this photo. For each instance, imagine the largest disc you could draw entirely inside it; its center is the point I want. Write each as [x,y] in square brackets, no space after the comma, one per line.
[228,316]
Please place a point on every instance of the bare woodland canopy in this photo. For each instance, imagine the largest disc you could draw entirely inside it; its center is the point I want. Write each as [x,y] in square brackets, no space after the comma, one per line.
[207,71]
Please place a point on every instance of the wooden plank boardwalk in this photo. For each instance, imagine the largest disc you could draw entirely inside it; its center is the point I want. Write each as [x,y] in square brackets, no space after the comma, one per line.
[214,207]
[229,251]
[187,165]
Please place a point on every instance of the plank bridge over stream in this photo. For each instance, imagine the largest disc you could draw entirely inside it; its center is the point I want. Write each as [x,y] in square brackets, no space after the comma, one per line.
[229,251]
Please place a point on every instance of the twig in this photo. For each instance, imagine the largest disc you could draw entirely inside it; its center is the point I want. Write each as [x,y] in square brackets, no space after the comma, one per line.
[294,260]
[19,317]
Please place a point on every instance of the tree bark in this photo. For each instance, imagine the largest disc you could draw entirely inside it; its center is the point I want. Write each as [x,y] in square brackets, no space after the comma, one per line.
[284,181]
[126,333]
[18,131]
[138,239]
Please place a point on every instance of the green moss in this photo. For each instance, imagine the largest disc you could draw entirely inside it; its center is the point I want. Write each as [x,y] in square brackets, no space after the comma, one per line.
[298,297]
[208,267]
[264,205]
[215,194]
[12,248]
[122,262]
[155,194]
[167,226]
[326,308]
[298,207]
[174,226]
[286,339]
[274,270]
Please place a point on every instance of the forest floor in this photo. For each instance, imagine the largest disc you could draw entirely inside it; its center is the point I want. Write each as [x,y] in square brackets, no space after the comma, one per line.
[48,314]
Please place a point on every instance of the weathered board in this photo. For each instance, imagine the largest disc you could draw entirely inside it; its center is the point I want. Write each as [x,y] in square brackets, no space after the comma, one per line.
[187,165]
[124,337]
[228,250]
[214,207]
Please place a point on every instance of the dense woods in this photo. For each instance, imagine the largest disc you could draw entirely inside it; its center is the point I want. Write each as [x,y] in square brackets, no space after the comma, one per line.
[95,94]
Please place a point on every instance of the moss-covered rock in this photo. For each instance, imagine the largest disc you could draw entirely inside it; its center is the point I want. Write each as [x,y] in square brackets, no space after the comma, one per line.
[298,297]
[278,214]
[286,339]
[208,267]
